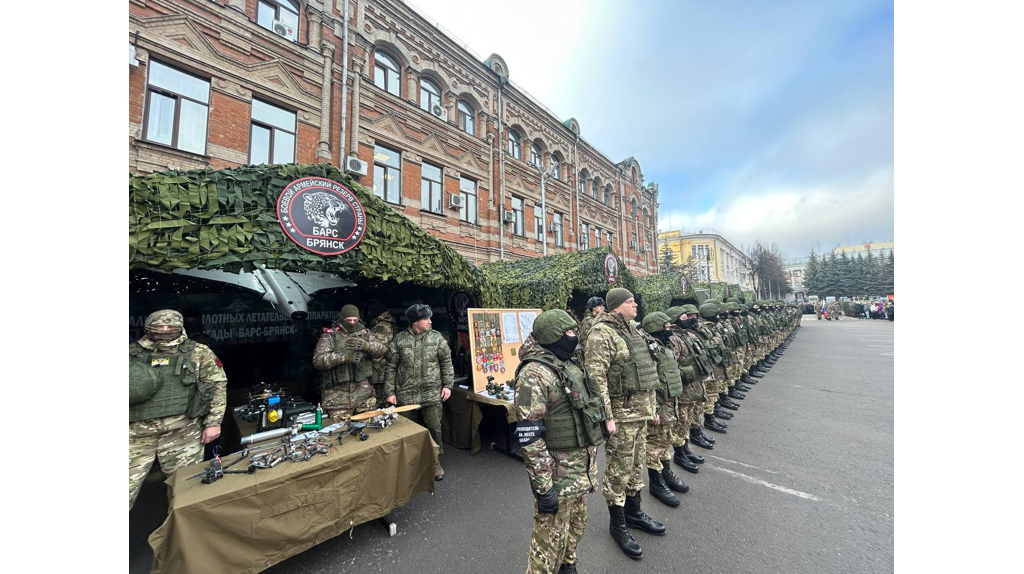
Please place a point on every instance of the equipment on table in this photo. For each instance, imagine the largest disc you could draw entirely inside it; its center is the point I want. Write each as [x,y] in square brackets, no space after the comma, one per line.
[217,470]
[270,408]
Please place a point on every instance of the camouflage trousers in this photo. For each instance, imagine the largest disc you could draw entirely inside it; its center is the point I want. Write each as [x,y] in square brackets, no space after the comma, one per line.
[659,443]
[174,441]
[624,462]
[714,386]
[342,401]
[691,416]
[732,371]
[429,417]
[556,536]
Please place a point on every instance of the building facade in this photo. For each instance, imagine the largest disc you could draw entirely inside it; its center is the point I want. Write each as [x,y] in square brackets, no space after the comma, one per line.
[878,248]
[796,270]
[446,138]
[714,258]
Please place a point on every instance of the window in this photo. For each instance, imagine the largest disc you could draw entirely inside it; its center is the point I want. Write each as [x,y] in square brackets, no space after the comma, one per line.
[467,118]
[581,184]
[178,108]
[284,13]
[535,157]
[556,167]
[271,134]
[387,174]
[596,189]
[585,237]
[559,231]
[538,224]
[632,207]
[611,239]
[608,195]
[517,210]
[632,241]
[515,145]
[597,237]
[385,73]
[430,188]
[467,212]
[430,94]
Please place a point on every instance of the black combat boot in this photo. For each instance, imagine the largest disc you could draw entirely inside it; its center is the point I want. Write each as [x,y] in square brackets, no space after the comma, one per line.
[724,415]
[636,518]
[763,367]
[697,438]
[659,489]
[734,393]
[706,436]
[567,568]
[723,401]
[671,480]
[695,458]
[617,528]
[755,372]
[742,387]
[711,424]
[747,379]
[684,461]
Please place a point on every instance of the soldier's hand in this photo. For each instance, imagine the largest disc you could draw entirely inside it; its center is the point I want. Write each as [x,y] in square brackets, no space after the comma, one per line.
[547,503]
[353,344]
[445,393]
[611,426]
[393,400]
[657,419]
[210,434]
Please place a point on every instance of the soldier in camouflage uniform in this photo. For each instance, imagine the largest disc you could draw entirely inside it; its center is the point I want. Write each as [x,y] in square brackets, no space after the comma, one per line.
[743,351]
[668,394]
[177,395]
[715,385]
[688,327]
[694,364]
[730,353]
[420,372]
[595,306]
[619,359]
[344,355]
[383,329]
[561,423]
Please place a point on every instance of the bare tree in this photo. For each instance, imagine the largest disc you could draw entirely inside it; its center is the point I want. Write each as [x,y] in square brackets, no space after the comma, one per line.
[764,265]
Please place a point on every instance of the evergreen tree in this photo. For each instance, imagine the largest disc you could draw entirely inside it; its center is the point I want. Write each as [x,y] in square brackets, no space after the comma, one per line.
[889,275]
[845,275]
[860,285]
[811,274]
[830,276]
[668,260]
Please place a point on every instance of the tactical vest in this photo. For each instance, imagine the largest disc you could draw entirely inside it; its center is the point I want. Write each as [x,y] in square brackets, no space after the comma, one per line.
[575,420]
[669,376]
[741,333]
[714,346]
[639,373]
[348,372]
[162,384]
[700,354]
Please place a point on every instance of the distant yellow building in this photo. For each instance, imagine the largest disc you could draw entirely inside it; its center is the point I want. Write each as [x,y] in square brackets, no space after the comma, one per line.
[715,258]
[875,247]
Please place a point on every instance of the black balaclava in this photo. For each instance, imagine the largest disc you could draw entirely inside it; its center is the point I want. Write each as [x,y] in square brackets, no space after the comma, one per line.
[564,347]
[687,323]
[662,335]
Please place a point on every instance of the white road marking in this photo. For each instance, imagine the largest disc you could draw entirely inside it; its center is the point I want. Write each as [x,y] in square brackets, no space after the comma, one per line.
[883,346]
[740,463]
[888,355]
[753,480]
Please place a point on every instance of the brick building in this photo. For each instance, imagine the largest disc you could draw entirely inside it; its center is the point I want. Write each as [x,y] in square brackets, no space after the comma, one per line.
[447,139]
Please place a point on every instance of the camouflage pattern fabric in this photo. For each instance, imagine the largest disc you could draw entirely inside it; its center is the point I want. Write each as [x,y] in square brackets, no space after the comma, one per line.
[605,347]
[585,326]
[555,536]
[624,452]
[340,402]
[174,441]
[429,417]
[419,366]
[382,330]
[343,400]
[209,371]
[659,442]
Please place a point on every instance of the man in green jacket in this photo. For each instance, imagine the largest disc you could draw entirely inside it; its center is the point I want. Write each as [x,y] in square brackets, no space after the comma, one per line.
[420,372]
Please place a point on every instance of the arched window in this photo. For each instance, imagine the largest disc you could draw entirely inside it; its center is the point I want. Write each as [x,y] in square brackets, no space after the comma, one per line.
[596,191]
[385,73]
[535,156]
[581,183]
[608,195]
[467,118]
[430,94]
[515,145]
[556,166]
[632,207]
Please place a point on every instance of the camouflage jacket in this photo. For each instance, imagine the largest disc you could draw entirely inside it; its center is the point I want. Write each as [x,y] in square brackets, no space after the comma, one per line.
[329,353]
[604,347]
[383,329]
[585,326]
[693,380]
[419,365]
[572,471]
[209,371]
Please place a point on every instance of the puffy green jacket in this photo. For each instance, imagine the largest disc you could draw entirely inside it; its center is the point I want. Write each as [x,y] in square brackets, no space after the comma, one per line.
[418,367]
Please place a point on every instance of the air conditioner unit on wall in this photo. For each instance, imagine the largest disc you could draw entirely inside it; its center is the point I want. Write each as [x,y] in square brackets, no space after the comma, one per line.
[455,202]
[439,111]
[553,227]
[282,29]
[632,245]
[509,217]
[355,166]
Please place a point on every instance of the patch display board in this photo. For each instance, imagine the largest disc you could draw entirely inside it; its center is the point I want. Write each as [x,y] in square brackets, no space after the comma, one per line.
[495,336]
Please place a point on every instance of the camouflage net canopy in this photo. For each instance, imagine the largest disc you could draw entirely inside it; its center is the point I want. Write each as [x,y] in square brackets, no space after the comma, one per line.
[227,219]
[664,290]
[550,282]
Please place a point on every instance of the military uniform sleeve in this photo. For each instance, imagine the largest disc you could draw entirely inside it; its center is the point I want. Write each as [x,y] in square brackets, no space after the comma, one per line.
[444,358]
[599,352]
[531,403]
[324,357]
[392,369]
[211,371]
[377,347]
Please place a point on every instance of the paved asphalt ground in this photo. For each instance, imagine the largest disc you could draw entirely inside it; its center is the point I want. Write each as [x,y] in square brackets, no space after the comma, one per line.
[802,482]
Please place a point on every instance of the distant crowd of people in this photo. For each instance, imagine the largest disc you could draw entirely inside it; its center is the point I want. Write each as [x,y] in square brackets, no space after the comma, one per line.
[834,310]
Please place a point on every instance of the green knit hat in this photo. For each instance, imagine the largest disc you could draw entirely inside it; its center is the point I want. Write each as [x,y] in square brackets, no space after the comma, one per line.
[616,297]
[349,311]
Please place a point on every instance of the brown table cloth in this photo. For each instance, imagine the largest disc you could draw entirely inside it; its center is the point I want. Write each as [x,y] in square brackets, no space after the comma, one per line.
[246,523]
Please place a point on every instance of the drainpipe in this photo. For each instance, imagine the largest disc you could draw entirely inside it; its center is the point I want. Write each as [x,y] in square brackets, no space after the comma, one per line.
[623,239]
[576,178]
[501,176]
[344,84]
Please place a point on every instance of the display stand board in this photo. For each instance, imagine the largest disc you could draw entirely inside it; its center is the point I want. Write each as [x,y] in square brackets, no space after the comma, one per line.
[495,336]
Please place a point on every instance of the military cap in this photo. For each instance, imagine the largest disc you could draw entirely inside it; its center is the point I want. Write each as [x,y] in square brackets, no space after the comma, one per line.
[594,302]
[674,312]
[655,322]
[165,317]
[708,310]
[690,309]
[551,325]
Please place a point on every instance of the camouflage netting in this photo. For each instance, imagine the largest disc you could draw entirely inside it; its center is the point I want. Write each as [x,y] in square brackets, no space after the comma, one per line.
[549,282]
[662,290]
[227,219]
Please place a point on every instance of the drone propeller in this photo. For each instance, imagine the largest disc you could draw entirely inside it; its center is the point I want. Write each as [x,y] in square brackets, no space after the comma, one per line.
[387,411]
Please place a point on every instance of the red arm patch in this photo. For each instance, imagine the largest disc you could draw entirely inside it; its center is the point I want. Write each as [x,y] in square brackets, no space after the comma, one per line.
[219,364]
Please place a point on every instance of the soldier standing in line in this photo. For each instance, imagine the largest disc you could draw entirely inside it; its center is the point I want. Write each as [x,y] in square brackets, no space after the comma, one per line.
[177,395]
[344,354]
[622,364]
[686,327]
[595,306]
[692,364]
[716,387]
[383,329]
[420,372]
[659,435]
[561,419]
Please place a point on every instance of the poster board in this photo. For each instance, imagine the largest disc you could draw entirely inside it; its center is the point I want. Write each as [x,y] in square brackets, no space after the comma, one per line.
[495,336]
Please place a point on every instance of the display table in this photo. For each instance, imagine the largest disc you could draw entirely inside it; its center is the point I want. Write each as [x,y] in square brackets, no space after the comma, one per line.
[464,414]
[249,522]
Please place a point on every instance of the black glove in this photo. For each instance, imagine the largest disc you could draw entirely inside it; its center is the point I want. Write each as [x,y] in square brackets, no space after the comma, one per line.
[547,503]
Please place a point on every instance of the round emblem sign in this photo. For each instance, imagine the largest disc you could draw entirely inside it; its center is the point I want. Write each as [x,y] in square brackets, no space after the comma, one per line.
[611,268]
[321,215]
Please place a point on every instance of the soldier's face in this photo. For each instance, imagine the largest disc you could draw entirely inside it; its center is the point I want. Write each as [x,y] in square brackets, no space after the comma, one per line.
[350,320]
[598,309]
[163,332]
[422,325]
[627,309]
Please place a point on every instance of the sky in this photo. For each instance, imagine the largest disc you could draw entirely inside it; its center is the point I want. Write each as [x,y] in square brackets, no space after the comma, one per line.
[768,121]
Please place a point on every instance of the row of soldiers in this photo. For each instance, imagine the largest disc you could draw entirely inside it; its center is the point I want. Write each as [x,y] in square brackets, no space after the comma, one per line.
[644,390]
